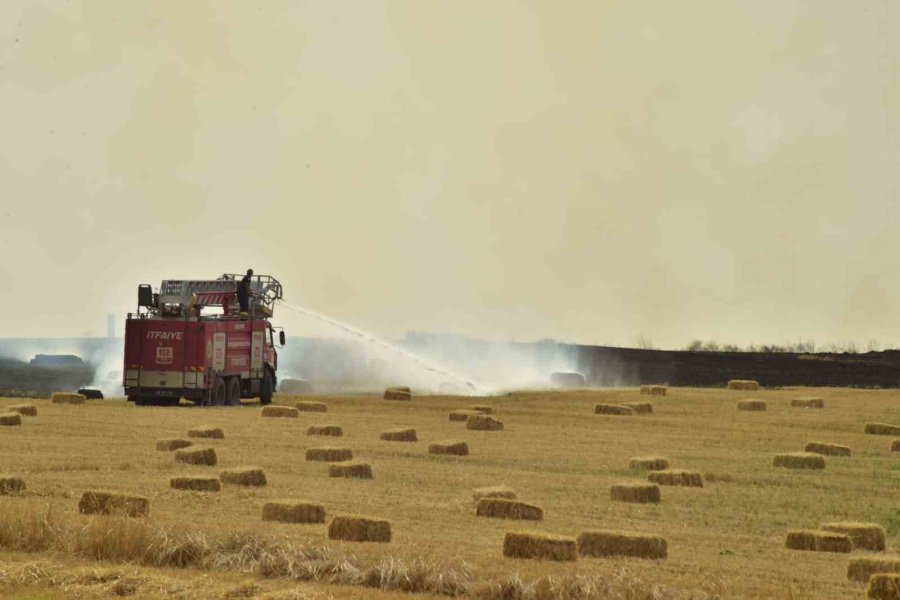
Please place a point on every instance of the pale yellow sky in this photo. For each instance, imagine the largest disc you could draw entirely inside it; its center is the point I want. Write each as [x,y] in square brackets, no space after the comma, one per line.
[587,171]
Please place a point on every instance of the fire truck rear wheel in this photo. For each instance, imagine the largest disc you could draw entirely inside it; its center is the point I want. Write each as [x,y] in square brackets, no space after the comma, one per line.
[234,392]
[265,389]
[218,392]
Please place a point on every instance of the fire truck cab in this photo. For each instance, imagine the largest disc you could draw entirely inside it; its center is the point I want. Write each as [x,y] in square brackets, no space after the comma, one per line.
[189,340]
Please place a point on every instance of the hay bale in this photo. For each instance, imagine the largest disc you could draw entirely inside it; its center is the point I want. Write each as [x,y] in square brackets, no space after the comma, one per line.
[641,493]
[808,403]
[862,568]
[818,541]
[397,393]
[332,430]
[613,409]
[895,446]
[462,415]
[11,485]
[648,463]
[743,384]
[205,431]
[493,491]
[455,448]
[103,502]
[602,543]
[10,419]
[480,422]
[676,477]
[356,528]
[170,444]
[505,508]
[195,484]
[826,449]
[329,454]
[26,410]
[311,407]
[863,536]
[350,469]
[654,390]
[295,386]
[481,408]
[640,408]
[884,586]
[67,398]
[567,379]
[799,460]
[401,434]
[196,456]
[246,476]
[752,405]
[273,410]
[882,429]
[539,545]
[292,511]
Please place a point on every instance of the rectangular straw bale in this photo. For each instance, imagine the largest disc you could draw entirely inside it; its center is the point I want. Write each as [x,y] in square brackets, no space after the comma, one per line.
[752,405]
[170,444]
[493,491]
[103,502]
[648,463]
[67,398]
[293,511]
[863,567]
[641,493]
[882,429]
[895,446]
[449,447]
[863,536]
[884,586]
[539,545]
[743,384]
[400,434]
[205,431]
[653,390]
[308,406]
[827,449]
[350,469]
[329,454]
[248,476]
[11,485]
[396,393]
[356,528]
[481,408]
[808,403]
[195,484]
[197,456]
[612,409]
[279,411]
[329,430]
[26,410]
[676,477]
[10,419]
[480,422]
[462,415]
[504,508]
[799,460]
[641,408]
[818,541]
[603,543]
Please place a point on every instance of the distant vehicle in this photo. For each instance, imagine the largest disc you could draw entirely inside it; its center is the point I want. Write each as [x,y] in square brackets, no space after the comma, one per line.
[174,349]
[91,394]
[57,361]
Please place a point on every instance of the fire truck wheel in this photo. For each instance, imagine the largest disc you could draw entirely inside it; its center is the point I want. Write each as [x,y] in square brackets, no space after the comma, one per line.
[265,389]
[218,393]
[234,392]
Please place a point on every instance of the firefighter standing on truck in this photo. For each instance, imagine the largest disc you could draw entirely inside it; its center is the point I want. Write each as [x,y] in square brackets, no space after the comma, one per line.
[243,293]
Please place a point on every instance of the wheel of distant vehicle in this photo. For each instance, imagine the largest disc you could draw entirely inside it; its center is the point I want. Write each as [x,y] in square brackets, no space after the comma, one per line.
[218,392]
[265,389]
[234,392]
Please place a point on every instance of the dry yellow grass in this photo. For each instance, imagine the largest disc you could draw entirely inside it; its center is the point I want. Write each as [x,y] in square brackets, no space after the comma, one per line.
[818,541]
[356,528]
[197,456]
[863,536]
[350,469]
[27,410]
[67,398]
[752,405]
[676,477]
[613,409]
[826,449]
[539,545]
[206,431]
[861,568]
[103,502]
[648,463]
[246,476]
[279,412]
[743,384]
[399,434]
[480,422]
[882,429]
[293,511]
[603,544]
[505,508]
[195,484]
[799,460]
[10,419]
[808,402]
[170,444]
[640,493]
[310,406]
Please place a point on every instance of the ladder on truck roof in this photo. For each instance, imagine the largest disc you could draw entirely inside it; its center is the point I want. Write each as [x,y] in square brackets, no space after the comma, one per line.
[264,291]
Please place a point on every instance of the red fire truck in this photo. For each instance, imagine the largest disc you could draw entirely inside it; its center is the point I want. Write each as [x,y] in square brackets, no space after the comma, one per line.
[189,340]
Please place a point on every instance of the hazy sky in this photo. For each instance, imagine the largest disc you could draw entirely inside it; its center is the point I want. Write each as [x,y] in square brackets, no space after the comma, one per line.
[588,171]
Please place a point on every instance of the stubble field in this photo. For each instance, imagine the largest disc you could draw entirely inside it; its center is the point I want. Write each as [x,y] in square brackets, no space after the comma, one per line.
[725,539]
